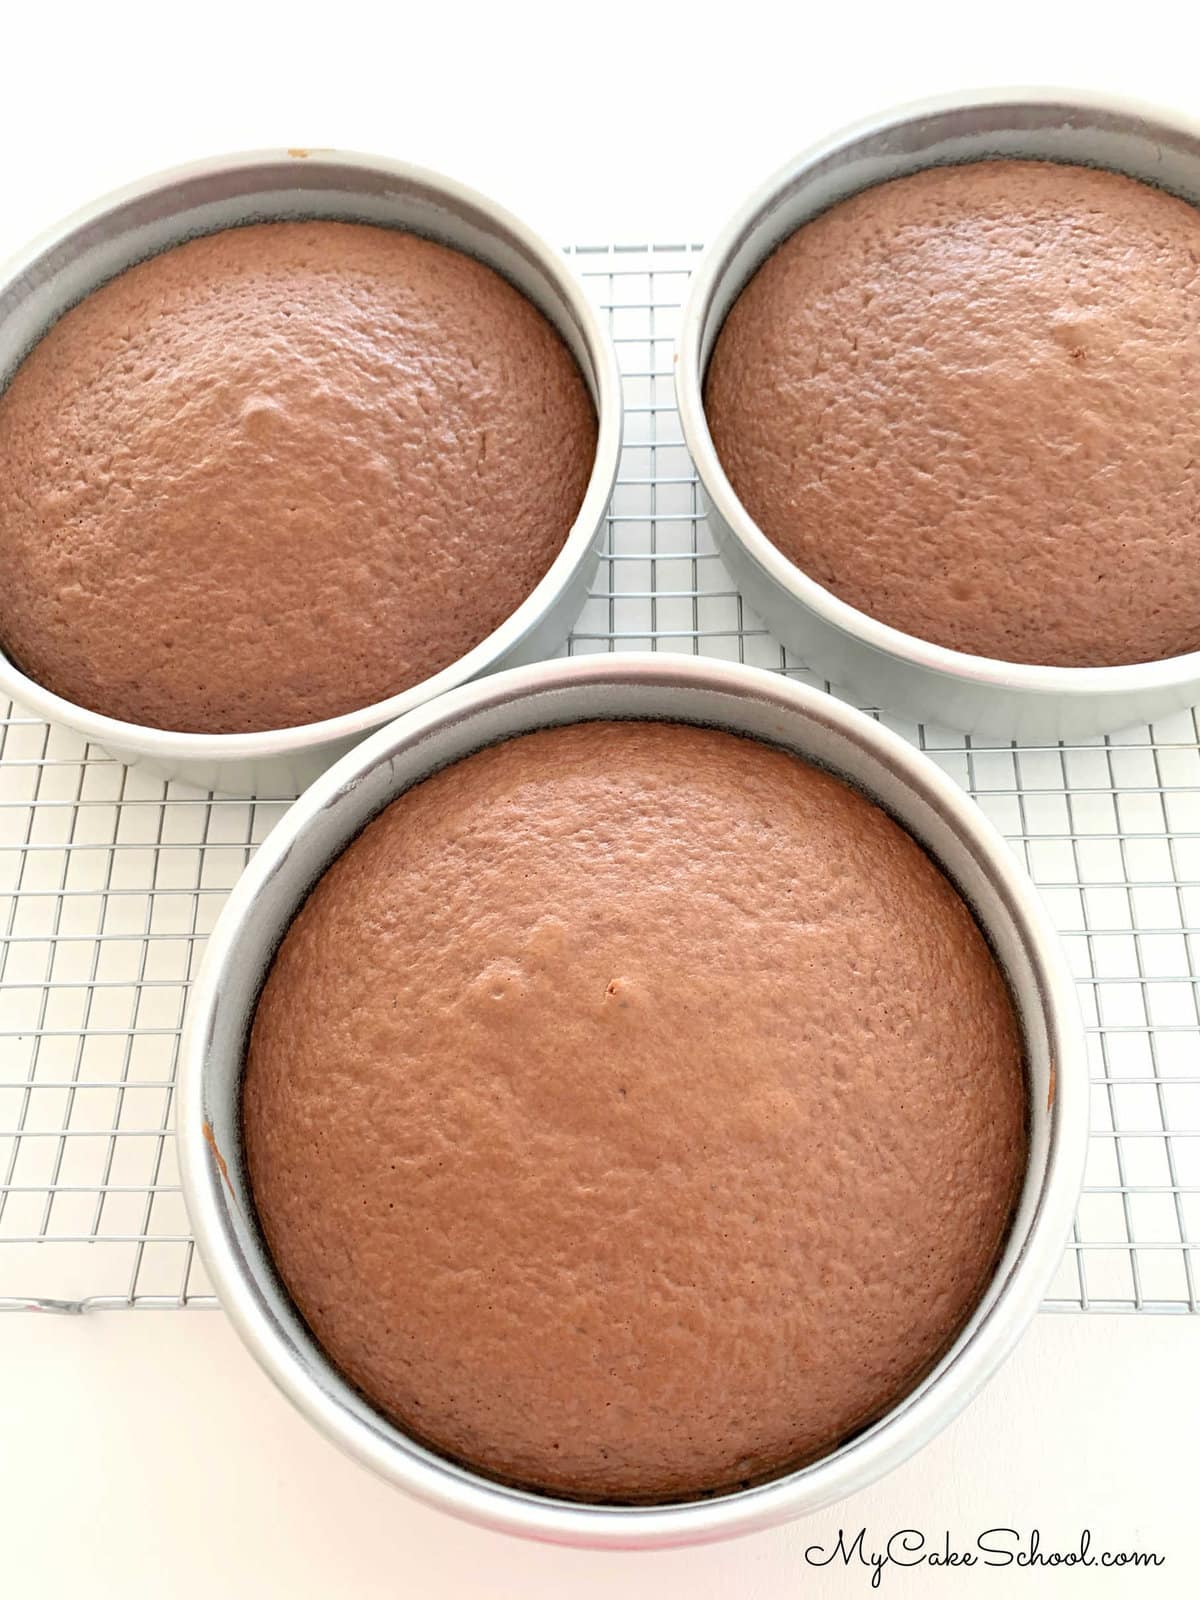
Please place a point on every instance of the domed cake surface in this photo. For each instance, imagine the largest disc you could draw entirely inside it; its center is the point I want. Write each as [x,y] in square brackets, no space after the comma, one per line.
[281,473]
[964,401]
[634,1111]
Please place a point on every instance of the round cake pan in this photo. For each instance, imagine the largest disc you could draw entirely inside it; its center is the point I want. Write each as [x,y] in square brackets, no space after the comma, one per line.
[112,234]
[879,663]
[747,701]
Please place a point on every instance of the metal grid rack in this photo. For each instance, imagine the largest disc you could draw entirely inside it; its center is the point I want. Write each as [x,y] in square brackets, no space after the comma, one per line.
[110,881]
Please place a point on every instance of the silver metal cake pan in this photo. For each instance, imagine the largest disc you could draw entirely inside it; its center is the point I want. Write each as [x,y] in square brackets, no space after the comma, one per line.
[747,701]
[113,233]
[879,663]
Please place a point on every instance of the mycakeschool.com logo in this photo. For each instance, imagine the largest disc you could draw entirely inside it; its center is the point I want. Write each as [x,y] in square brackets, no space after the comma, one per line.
[994,1547]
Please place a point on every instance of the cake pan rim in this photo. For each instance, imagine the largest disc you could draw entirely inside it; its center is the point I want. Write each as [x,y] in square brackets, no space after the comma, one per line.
[197,756]
[989,682]
[918,1416]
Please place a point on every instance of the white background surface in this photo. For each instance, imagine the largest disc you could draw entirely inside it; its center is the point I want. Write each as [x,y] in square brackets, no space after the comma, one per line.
[144,1454]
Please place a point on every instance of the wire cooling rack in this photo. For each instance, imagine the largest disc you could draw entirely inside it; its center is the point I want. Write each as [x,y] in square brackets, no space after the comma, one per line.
[110,881]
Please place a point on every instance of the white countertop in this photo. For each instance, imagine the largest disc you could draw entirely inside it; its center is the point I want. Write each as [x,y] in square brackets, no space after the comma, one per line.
[144,1454]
